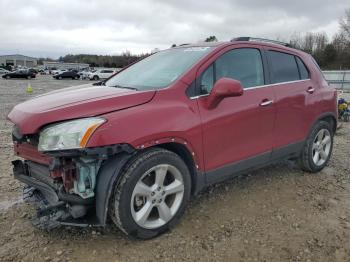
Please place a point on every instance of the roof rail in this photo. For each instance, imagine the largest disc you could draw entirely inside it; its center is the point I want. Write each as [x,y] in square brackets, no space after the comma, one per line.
[248,38]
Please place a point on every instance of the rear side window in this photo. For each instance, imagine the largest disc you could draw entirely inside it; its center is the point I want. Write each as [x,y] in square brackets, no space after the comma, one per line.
[304,73]
[283,67]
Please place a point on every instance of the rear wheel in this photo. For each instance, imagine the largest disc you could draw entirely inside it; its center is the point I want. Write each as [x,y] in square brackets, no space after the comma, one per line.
[60,78]
[29,77]
[318,148]
[152,194]
[95,78]
[8,77]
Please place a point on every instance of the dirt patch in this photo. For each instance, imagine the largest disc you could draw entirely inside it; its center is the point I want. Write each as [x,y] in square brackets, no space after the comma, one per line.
[275,214]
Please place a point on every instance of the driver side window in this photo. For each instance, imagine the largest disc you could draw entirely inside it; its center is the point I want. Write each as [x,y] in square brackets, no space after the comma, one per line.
[243,64]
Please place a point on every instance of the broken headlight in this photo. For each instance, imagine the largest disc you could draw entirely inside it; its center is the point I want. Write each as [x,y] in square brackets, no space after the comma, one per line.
[69,134]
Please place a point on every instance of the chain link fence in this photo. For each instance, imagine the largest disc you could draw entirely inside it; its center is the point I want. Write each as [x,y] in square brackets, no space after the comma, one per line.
[339,79]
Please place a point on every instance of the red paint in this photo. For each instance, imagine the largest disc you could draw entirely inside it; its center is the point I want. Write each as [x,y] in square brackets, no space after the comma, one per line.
[30,152]
[70,103]
[233,129]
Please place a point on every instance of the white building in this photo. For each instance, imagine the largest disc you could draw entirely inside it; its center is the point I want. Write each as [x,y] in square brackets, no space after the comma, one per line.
[60,65]
[18,60]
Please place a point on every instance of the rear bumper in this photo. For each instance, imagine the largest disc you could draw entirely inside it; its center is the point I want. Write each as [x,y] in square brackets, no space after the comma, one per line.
[54,208]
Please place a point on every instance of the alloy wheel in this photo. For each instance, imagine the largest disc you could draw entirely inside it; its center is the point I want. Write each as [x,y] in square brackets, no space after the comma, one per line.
[157,196]
[321,147]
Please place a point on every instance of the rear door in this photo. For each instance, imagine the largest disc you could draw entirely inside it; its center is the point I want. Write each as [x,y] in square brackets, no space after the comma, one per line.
[293,87]
[238,132]
[108,73]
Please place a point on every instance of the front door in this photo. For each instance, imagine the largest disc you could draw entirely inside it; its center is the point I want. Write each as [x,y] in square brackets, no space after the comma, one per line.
[238,132]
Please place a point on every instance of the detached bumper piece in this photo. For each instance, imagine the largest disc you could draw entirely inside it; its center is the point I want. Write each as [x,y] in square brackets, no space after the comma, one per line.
[54,206]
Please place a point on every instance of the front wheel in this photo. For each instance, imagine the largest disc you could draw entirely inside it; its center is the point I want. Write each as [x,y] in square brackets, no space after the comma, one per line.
[152,194]
[318,148]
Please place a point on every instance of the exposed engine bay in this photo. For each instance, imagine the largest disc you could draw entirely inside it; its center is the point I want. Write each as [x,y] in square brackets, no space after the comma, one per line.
[63,185]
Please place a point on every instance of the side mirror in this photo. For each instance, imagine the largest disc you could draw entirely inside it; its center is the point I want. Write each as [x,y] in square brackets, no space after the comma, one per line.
[224,87]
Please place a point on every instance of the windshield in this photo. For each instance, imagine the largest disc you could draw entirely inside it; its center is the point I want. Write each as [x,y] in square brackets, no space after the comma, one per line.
[158,70]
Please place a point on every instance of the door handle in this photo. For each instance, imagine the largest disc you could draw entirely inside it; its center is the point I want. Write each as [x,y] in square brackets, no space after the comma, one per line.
[310,90]
[266,102]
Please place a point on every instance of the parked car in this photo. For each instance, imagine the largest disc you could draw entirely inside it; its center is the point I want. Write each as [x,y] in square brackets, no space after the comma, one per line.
[138,146]
[28,74]
[59,71]
[44,72]
[32,70]
[101,74]
[4,71]
[84,74]
[67,74]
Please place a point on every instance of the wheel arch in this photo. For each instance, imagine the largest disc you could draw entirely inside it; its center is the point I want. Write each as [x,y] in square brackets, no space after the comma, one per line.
[110,172]
[197,178]
[329,118]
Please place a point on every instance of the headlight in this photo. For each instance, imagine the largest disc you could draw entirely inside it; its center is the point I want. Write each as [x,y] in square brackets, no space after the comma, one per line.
[68,135]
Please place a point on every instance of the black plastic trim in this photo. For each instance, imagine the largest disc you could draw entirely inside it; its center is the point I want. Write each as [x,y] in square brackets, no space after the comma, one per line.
[231,170]
[21,174]
[324,115]
[108,175]
[103,151]
[289,151]
[265,159]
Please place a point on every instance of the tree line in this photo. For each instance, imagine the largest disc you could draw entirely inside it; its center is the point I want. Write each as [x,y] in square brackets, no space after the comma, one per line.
[329,53]
[114,61]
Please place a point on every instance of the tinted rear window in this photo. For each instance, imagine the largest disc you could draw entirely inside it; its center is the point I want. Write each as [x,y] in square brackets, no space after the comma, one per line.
[283,67]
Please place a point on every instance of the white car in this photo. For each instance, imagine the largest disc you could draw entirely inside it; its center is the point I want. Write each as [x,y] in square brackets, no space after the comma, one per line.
[3,71]
[84,74]
[101,74]
[60,71]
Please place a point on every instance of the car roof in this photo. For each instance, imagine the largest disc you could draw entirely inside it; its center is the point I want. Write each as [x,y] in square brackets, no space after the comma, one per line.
[234,42]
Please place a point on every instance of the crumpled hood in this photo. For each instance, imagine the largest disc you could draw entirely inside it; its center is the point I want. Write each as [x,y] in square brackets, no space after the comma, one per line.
[74,102]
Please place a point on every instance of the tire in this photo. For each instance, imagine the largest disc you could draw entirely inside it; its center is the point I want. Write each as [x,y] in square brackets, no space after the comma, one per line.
[96,78]
[318,148]
[76,78]
[29,77]
[8,77]
[60,78]
[126,204]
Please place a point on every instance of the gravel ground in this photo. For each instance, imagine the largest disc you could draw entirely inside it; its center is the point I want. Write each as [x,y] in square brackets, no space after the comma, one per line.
[275,214]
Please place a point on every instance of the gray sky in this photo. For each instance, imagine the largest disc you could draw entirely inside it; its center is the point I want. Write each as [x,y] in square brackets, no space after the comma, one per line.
[53,28]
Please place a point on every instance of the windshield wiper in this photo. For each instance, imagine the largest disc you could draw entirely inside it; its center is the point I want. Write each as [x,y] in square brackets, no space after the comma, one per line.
[126,87]
[101,83]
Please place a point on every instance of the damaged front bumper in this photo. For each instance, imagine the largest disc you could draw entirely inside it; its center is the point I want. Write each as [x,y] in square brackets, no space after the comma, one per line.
[54,207]
[70,187]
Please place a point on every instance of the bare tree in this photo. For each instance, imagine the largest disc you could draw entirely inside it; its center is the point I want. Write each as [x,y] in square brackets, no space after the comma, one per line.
[340,42]
[345,24]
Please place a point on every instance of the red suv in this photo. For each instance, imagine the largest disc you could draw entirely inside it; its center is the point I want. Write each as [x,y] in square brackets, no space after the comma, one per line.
[136,147]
